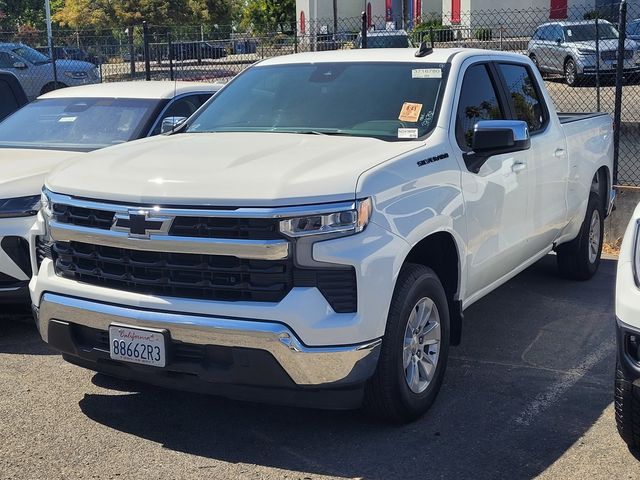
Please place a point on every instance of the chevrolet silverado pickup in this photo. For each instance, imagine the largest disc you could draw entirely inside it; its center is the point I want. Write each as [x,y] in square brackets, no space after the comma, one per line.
[314,233]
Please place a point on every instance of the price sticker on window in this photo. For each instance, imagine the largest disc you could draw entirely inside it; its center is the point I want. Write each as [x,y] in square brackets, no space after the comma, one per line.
[410,112]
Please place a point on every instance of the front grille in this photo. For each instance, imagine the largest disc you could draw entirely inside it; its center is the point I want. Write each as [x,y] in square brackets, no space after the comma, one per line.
[209,277]
[182,226]
[218,227]
[611,55]
[83,217]
[43,250]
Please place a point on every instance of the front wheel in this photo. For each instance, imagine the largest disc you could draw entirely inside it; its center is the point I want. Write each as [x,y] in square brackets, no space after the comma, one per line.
[571,73]
[627,407]
[580,258]
[415,348]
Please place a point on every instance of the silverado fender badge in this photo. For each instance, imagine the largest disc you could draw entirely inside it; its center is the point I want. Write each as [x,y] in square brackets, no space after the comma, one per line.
[429,160]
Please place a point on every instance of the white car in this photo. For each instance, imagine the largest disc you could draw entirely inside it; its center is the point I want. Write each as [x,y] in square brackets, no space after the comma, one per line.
[313,236]
[627,385]
[68,123]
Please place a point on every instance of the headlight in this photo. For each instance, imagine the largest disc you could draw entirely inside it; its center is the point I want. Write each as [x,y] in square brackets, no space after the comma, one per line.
[345,222]
[586,51]
[20,207]
[76,75]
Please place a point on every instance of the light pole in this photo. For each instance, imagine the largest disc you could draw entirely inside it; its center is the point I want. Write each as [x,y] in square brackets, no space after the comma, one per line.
[47,10]
[335,18]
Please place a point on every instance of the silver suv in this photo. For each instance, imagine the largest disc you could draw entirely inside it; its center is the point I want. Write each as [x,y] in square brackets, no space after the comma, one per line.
[569,48]
[35,70]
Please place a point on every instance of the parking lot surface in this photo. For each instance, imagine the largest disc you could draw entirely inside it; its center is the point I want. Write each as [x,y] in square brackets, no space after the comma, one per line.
[528,393]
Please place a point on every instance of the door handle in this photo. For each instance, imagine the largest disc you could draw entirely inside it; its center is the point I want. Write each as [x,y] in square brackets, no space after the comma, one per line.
[559,153]
[518,167]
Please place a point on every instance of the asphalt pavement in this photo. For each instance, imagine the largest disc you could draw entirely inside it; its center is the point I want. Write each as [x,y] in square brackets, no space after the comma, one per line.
[527,394]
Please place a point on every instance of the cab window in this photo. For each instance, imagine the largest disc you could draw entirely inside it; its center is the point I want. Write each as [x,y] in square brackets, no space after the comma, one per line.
[525,96]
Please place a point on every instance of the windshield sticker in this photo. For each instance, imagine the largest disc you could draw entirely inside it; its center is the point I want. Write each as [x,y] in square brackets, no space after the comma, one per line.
[569,33]
[410,112]
[407,133]
[426,73]
[426,119]
[67,119]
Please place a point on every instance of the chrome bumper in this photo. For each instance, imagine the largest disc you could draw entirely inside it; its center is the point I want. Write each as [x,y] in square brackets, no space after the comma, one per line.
[307,366]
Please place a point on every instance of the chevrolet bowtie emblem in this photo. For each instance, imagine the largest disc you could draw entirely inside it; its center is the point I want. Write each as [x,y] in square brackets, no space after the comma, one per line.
[141,223]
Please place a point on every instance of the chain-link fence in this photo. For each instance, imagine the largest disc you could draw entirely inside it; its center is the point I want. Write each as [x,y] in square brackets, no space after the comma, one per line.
[576,50]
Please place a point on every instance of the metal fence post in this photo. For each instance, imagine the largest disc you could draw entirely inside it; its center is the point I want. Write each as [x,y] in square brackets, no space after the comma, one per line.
[132,52]
[622,27]
[597,64]
[431,36]
[147,60]
[364,29]
[170,55]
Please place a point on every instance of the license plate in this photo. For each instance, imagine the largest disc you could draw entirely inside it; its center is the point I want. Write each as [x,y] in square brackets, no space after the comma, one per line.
[137,345]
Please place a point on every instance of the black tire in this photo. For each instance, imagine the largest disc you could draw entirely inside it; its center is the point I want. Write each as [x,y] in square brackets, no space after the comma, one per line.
[627,407]
[571,73]
[387,393]
[534,59]
[574,259]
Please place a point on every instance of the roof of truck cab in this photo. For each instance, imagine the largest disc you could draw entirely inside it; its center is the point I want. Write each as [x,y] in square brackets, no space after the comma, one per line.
[156,90]
[439,55]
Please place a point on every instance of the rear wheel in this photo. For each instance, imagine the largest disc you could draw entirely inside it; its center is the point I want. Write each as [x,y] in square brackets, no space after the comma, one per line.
[414,349]
[580,258]
[627,406]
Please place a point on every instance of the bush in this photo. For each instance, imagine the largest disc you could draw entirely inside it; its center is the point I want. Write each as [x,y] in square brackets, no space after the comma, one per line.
[422,32]
[483,34]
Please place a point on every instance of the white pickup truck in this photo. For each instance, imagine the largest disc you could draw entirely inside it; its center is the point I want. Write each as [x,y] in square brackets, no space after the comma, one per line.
[313,234]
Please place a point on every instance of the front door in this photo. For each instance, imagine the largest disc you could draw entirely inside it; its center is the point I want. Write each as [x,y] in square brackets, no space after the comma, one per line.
[497,196]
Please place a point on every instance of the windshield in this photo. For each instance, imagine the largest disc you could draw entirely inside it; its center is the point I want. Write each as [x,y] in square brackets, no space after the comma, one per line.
[587,32]
[30,55]
[76,123]
[389,101]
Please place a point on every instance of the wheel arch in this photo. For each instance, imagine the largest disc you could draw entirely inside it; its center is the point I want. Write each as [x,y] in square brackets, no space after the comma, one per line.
[440,252]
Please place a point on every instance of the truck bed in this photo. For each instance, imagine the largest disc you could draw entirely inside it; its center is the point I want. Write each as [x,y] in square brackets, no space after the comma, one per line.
[569,117]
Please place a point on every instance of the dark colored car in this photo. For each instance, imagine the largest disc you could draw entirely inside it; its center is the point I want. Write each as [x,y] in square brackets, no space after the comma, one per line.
[71,53]
[12,96]
[197,50]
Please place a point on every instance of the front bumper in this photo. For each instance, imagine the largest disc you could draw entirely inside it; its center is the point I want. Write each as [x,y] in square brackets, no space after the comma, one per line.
[15,259]
[328,367]
[627,360]
[586,65]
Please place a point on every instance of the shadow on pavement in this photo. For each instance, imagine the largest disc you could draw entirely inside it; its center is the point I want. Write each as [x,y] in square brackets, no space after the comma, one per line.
[19,335]
[533,373]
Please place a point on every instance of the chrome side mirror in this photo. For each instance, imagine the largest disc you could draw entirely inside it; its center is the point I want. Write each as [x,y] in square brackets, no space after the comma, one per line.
[169,124]
[493,137]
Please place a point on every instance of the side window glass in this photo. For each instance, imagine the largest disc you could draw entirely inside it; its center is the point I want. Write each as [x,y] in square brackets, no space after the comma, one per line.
[478,101]
[544,33]
[183,107]
[6,60]
[528,106]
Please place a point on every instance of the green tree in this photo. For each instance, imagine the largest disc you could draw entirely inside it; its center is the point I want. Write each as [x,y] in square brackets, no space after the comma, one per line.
[268,15]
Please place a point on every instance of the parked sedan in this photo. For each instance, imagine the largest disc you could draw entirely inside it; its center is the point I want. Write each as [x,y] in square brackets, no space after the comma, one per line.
[62,125]
[569,49]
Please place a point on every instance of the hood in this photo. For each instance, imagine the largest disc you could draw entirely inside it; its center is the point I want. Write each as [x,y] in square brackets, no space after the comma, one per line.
[74,65]
[227,169]
[606,45]
[24,170]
